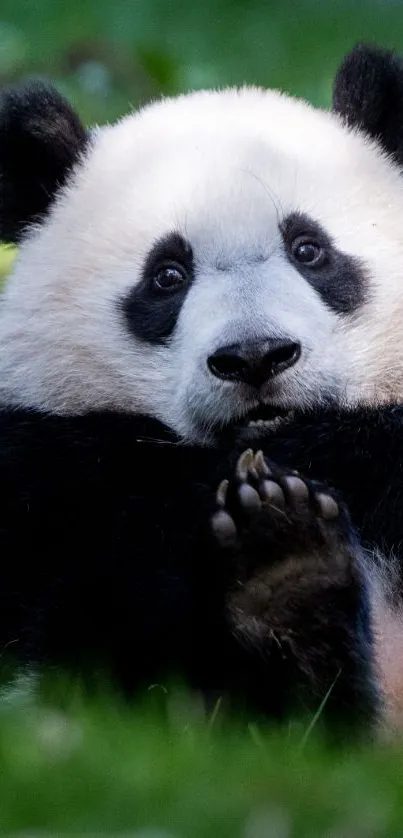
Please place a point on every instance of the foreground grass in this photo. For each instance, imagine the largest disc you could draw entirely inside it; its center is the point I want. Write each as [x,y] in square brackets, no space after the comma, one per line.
[163,770]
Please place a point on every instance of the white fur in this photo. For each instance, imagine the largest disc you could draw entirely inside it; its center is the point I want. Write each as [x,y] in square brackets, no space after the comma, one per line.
[222,168]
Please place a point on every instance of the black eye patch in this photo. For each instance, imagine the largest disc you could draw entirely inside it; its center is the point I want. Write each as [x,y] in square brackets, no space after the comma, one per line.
[152,307]
[338,277]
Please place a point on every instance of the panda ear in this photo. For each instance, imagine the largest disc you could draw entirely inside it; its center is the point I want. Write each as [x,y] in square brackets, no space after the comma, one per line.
[41,138]
[368,94]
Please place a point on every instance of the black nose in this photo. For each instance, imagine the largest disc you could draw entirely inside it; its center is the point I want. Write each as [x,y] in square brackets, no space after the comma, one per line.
[254,363]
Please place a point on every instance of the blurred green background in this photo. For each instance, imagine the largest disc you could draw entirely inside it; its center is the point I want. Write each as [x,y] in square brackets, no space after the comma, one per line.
[107,54]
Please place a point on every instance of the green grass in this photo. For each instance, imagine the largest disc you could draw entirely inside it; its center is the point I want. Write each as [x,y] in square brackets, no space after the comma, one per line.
[75,766]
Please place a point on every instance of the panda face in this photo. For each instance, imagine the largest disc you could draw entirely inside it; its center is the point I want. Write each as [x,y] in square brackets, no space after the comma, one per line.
[216,258]
[248,331]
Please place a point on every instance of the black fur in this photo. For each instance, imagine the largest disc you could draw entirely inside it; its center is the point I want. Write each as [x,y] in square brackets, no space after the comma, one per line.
[339,278]
[368,94]
[151,313]
[41,139]
[107,520]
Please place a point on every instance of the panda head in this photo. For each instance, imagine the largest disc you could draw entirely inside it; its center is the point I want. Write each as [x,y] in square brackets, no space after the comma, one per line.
[212,259]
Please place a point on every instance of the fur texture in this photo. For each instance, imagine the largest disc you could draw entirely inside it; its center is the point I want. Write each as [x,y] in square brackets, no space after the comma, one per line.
[201,226]
[41,139]
[368,93]
[259,157]
[116,567]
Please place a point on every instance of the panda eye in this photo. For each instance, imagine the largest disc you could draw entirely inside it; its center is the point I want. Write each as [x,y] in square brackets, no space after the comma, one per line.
[307,252]
[170,277]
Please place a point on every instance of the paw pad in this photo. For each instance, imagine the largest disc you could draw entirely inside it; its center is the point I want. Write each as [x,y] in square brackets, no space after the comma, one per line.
[260,488]
[328,507]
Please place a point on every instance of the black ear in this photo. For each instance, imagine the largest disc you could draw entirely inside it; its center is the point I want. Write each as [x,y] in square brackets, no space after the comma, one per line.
[368,93]
[41,138]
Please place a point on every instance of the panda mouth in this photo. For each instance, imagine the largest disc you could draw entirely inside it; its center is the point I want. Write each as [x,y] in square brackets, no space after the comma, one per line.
[264,415]
[260,418]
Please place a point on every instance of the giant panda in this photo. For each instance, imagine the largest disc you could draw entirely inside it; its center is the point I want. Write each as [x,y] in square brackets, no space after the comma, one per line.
[201,373]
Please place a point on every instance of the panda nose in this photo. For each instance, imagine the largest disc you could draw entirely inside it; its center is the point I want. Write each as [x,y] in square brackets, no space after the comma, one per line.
[254,363]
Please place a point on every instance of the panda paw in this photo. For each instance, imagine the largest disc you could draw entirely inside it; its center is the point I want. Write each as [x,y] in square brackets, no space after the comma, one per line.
[273,506]
[296,595]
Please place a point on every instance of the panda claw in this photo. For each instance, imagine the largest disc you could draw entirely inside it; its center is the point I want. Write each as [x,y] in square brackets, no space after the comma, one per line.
[328,507]
[261,466]
[244,464]
[221,495]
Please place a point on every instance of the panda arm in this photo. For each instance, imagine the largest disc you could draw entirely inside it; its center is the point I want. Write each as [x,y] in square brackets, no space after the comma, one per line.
[360,452]
[299,602]
[90,511]
[107,523]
